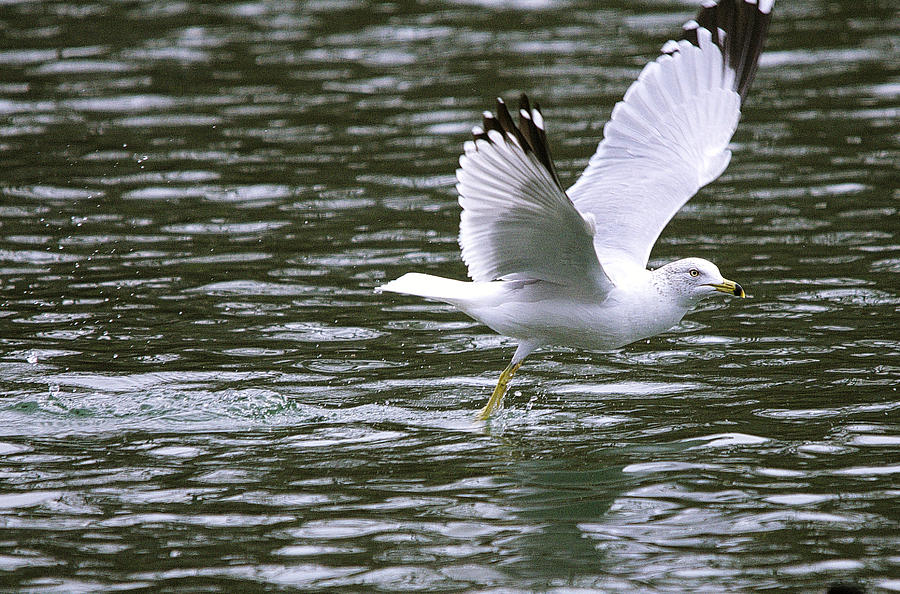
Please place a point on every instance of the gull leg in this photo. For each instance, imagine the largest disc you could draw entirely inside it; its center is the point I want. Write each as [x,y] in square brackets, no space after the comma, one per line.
[493,403]
[499,392]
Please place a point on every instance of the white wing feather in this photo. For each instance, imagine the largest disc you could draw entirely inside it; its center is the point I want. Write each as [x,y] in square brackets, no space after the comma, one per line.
[517,223]
[665,140]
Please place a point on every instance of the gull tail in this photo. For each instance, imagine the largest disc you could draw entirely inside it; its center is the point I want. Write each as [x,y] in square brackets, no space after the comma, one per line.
[429,286]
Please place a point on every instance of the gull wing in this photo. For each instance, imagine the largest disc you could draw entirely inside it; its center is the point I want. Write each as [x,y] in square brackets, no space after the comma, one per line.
[517,222]
[668,137]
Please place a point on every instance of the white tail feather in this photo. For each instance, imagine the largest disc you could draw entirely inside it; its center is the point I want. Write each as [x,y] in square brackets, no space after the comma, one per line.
[429,286]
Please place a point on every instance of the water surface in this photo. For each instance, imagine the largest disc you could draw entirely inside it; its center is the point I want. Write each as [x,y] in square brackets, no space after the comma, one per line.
[201,391]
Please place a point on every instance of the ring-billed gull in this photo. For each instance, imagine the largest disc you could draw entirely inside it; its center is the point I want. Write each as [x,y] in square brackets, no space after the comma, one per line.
[551,266]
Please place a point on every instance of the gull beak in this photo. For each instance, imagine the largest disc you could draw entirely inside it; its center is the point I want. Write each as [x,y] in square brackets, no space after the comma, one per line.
[729,287]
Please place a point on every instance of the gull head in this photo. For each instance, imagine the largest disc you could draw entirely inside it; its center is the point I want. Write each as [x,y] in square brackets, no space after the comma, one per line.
[694,279]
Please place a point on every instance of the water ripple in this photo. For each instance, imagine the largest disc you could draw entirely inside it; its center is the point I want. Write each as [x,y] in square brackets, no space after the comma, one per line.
[201,392]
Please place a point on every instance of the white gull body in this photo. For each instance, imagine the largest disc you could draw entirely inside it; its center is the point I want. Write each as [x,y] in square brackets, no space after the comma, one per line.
[569,267]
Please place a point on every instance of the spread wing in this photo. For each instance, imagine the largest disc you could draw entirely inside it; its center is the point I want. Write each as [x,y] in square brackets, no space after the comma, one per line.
[668,137]
[517,222]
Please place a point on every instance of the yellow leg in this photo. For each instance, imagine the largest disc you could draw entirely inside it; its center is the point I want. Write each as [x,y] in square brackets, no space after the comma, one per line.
[499,391]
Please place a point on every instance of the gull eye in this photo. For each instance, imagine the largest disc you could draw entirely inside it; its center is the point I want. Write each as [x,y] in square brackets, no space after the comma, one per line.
[694,272]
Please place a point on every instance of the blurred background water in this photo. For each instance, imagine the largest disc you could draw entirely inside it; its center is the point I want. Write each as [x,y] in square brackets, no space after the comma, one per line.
[201,392]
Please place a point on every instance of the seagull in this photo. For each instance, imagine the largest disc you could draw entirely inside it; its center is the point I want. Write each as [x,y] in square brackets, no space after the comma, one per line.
[551,266]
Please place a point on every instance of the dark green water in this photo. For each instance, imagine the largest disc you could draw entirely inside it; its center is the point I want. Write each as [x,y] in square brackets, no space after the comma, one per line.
[200,390]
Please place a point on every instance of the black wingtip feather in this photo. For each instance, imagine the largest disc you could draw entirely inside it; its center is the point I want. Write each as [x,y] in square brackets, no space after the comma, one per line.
[506,122]
[531,137]
[489,122]
[745,25]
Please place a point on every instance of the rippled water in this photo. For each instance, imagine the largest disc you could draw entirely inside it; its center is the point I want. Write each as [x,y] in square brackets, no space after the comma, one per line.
[200,390]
